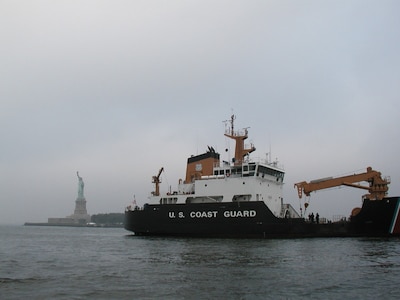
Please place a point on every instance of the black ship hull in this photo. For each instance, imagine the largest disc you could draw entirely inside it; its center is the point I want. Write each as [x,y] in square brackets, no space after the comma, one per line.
[254,219]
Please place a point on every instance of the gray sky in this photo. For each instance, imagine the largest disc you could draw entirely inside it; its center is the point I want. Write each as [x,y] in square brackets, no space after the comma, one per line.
[117,89]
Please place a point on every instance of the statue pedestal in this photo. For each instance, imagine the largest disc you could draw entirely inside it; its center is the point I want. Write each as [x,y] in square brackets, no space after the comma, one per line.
[80,213]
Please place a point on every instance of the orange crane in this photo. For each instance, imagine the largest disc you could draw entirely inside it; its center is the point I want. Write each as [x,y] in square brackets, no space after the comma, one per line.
[377,188]
[157,181]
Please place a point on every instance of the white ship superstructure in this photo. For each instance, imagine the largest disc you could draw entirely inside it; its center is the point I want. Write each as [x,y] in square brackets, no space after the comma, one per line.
[208,180]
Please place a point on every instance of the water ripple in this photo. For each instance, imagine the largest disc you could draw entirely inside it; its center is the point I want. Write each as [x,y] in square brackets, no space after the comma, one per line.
[100,263]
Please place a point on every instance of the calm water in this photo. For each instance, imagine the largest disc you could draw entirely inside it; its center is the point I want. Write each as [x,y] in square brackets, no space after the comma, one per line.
[105,263]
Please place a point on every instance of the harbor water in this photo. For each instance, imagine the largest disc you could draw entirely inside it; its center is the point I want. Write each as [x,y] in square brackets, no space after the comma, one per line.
[110,263]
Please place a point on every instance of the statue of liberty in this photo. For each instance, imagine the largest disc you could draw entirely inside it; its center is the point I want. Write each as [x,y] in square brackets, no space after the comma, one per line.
[81,185]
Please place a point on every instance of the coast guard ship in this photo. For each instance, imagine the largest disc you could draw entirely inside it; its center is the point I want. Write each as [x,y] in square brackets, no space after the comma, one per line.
[243,198]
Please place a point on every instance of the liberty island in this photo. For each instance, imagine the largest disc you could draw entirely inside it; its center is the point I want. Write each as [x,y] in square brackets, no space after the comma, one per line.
[80,217]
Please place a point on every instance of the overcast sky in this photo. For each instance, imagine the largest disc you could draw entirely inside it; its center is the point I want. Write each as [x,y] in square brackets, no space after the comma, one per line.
[118,89]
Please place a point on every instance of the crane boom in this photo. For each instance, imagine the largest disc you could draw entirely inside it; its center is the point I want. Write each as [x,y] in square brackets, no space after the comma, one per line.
[377,188]
[157,181]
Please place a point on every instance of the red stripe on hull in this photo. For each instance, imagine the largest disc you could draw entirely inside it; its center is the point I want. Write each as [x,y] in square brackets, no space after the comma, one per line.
[395,228]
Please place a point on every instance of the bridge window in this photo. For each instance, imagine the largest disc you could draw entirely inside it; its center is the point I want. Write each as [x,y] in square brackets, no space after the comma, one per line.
[168,200]
[267,171]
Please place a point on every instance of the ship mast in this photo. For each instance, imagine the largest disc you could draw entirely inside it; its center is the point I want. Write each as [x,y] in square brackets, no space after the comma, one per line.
[239,137]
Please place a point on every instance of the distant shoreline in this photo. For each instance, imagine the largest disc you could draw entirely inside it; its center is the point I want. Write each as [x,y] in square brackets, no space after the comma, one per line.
[75,225]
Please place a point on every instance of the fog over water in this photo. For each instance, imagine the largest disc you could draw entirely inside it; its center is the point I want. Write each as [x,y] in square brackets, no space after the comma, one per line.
[118,89]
